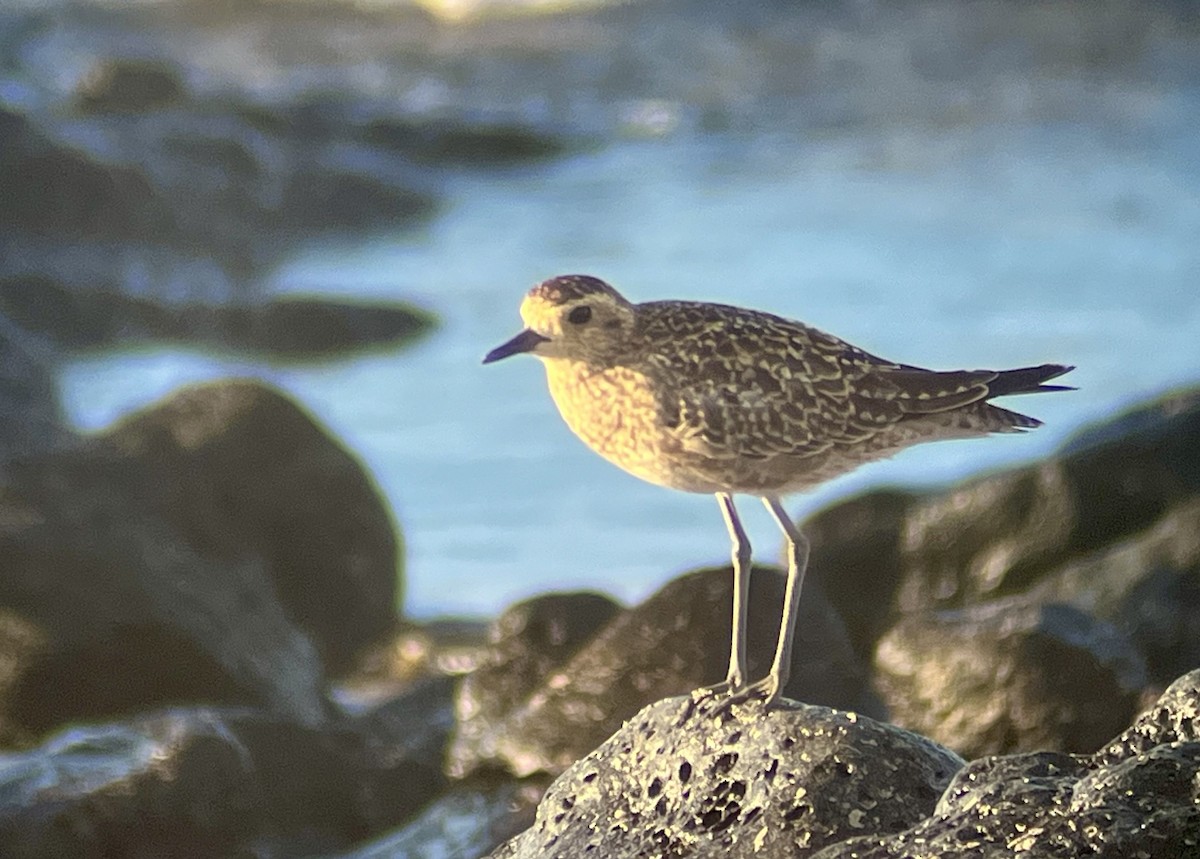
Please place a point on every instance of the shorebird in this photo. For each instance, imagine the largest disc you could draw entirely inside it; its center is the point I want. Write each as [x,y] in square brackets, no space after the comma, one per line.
[717,399]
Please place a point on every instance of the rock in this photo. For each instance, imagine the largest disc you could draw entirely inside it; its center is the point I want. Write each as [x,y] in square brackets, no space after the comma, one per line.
[1012,674]
[118,613]
[856,549]
[1110,527]
[31,417]
[76,319]
[52,190]
[204,782]
[413,725]
[122,85]
[289,328]
[468,821]
[803,781]
[202,199]
[218,547]
[675,641]
[450,143]
[1147,417]
[1139,796]
[679,780]
[251,474]
[307,328]
[888,553]
[1147,586]
[442,647]
[1000,534]
[331,200]
[526,643]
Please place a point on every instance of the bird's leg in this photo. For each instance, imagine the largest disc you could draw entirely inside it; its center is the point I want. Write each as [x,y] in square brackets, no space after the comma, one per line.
[735,678]
[740,556]
[771,686]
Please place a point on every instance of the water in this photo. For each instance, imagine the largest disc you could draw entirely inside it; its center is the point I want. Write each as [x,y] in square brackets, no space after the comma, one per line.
[1046,207]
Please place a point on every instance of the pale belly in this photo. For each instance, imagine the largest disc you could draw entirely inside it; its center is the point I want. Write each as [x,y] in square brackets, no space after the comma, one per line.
[615,414]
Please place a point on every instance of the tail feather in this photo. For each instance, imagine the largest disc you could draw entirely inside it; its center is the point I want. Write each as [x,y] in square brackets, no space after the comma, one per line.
[1028,380]
[997,419]
[1024,380]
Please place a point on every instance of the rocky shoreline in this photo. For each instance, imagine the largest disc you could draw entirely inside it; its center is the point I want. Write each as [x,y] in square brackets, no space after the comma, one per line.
[202,646]
[203,655]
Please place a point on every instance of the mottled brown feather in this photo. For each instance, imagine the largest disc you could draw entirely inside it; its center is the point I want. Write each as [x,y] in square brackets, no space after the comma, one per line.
[711,397]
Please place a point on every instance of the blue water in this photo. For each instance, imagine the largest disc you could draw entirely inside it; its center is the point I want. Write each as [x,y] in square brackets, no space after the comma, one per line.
[968,246]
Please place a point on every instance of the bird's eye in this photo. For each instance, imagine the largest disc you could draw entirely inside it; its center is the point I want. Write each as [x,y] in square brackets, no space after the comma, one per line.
[579,315]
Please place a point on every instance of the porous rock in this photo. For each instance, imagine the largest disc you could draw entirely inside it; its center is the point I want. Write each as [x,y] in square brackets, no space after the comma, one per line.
[680,779]
[1137,797]
[1011,674]
[672,643]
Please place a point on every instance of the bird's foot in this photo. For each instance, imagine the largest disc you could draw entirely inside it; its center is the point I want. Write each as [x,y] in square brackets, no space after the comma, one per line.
[731,685]
[766,690]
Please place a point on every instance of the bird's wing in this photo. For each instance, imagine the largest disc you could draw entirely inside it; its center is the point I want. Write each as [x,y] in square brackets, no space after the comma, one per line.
[750,385]
[757,386]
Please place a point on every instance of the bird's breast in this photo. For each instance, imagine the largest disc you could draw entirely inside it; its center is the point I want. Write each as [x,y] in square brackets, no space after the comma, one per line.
[614,411]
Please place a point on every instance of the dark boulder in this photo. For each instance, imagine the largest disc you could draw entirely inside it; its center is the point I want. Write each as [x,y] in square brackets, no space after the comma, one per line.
[1000,534]
[31,417]
[218,547]
[525,645]
[857,554]
[53,190]
[1147,586]
[1032,608]
[455,143]
[288,328]
[326,200]
[253,475]
[124,85]
[1012,674]
[888,553]
[205,782]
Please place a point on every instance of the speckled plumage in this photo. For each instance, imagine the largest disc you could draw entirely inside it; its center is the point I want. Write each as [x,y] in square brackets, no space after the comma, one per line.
[709,398]
[713,398]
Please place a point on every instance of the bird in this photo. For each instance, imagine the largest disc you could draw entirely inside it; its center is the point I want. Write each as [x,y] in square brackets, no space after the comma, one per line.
[722,400]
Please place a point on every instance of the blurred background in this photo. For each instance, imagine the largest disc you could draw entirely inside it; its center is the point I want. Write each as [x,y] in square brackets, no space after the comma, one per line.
[349,199]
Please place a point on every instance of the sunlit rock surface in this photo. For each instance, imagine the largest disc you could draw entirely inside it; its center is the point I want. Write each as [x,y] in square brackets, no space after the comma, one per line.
[681,780]
[1138,796]
[804,781]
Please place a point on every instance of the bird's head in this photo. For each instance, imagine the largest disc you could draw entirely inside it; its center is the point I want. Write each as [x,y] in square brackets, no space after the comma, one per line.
[571,316]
